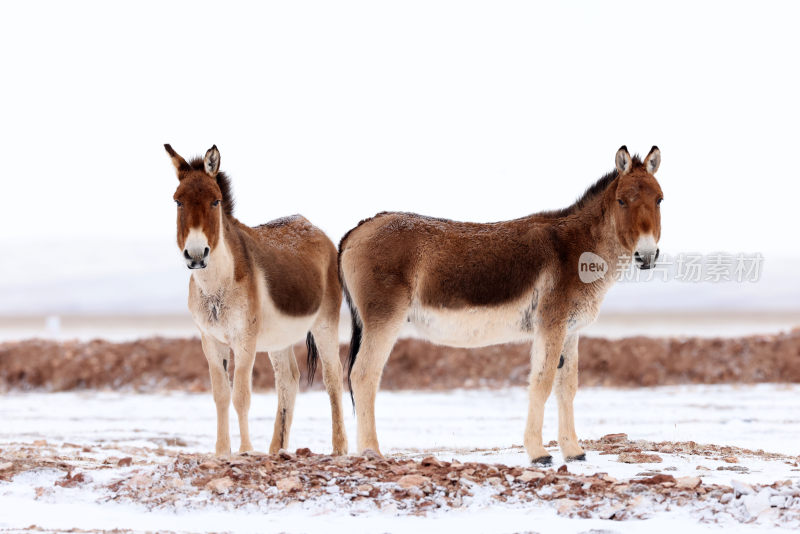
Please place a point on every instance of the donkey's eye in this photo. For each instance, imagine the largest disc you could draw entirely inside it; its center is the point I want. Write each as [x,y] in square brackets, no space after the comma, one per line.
[621,202]
[179,203]
[658,202]
[215,204]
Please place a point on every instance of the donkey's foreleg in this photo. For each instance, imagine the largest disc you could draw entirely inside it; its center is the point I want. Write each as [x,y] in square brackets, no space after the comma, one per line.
[245,354]
[217,355]
[565,388]
[327,339]
[366,377]
[287,379]
[545,355]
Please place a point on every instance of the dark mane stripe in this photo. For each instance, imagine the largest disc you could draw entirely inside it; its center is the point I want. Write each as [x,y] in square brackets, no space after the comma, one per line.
[591,192]
[223,182]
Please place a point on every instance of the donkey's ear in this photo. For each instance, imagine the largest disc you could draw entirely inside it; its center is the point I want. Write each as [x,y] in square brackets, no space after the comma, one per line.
[653,160]
[211,161]
[177,160]
[623,160]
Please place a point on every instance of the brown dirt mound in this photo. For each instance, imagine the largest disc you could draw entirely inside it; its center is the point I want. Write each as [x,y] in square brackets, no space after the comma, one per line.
[159,363]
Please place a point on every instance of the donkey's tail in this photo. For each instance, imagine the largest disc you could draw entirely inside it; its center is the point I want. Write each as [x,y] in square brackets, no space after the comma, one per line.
[355,340]
[312,358]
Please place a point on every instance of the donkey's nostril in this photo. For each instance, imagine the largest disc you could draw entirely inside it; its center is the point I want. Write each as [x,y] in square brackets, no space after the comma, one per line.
[205,252]
[658,251]
[186,254]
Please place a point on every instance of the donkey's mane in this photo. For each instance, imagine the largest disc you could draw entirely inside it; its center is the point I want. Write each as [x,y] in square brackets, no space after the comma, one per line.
[592,192]
[223,182]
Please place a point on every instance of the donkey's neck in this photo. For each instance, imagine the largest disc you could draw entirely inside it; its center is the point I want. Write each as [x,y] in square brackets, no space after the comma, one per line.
[219,275]
[596,223]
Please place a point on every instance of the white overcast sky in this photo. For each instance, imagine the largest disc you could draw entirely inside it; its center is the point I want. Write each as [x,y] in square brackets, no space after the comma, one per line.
[337,110]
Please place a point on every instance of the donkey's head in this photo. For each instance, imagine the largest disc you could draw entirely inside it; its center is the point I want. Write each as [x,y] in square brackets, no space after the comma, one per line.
[636,210]
[199,199]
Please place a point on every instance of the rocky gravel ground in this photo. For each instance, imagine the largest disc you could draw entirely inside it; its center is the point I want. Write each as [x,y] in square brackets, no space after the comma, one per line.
[168,479]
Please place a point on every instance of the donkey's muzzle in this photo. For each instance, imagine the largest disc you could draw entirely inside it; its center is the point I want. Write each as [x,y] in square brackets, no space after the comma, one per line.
[646,261]
[196,259]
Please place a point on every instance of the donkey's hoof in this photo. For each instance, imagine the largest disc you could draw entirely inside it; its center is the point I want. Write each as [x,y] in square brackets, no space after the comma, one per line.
[578,458]
[543,460]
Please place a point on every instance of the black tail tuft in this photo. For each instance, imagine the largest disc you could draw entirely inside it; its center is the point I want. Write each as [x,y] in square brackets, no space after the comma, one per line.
[355,341]
[312,358]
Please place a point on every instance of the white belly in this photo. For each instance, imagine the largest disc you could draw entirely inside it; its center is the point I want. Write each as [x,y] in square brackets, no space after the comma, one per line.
[278,330]
[472,327]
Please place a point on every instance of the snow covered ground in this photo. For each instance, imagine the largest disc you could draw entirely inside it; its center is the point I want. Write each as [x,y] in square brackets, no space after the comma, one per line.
[84,430]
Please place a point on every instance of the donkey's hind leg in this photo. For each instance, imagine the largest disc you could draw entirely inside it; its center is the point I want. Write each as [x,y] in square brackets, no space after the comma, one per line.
[377,342]
[287,379]
[217,355]
[242,390]
[327,339]
[566,387]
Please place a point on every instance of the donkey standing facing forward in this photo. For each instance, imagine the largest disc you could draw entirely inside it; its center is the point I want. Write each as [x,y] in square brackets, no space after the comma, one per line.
[472,285]
[257,289]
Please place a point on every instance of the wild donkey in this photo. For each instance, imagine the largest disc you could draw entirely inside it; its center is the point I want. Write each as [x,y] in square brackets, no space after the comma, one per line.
[471,285]
[257,289]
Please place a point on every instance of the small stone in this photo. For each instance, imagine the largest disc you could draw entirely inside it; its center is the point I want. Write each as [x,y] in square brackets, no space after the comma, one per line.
[125,462]
[565,506]
[364,490]
[527,476]
[614,438]
[736,468]
[657,479]
[412,481]
[210,464]
[638,458]
[70,480]
[667,449]
[725,498]
[289,484]
[139,480]
[220,485]
[174,482]
[731,460]
[431,460]
[283,454]
[303,452]
[741,488]
[371,454]
[5,466]
[687,482]
[40,443]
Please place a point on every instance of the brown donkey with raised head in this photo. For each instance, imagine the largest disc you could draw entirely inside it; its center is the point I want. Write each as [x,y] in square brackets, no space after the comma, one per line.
[257,289]
[539,278]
